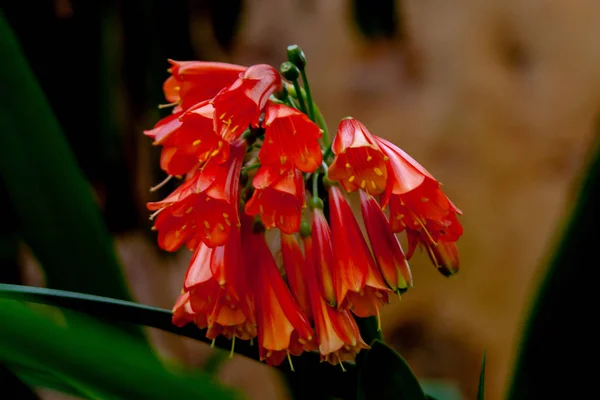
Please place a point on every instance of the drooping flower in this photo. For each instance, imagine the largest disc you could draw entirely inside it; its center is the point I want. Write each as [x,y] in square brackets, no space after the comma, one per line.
[419,206]
[337,333]
[283,328]
[182,310]
[188,140]
[291,140]
[386,248]
[323,256]
[219,294]
[194,81]
[278,198]
[240,104]
[358,163]
[293,262]
[204,207]
[358,283]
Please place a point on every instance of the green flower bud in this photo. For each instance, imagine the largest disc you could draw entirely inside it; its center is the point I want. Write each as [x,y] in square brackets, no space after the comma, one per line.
[305,230]
[296,56]
[315,202]
[289,71]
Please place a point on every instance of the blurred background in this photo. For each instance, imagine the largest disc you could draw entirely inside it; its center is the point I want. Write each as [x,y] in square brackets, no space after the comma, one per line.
[497,99]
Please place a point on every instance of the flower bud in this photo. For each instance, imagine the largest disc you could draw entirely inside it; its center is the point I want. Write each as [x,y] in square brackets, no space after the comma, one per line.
[296,56]
[289,71]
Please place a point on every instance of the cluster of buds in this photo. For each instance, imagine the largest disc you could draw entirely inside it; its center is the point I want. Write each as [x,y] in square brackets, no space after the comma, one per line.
[277,252]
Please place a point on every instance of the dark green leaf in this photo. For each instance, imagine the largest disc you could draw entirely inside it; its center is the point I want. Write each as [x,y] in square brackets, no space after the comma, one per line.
[385,375]
[481,388]
[54,205]
[310,380]
[559,338]
[96,358]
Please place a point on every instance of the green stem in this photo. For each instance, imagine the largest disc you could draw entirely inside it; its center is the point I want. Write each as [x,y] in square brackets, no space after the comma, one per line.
[328,154]
[299,96]
[309,100]
[315,184]
[330,378]
[251,167]
[320,120]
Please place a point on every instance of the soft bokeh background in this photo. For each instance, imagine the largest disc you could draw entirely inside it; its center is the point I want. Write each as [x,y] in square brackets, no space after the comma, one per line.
[498,100]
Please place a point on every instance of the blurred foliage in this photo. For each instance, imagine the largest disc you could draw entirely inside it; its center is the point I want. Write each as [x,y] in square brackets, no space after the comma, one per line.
[559,337]
[384,374]
[95,360]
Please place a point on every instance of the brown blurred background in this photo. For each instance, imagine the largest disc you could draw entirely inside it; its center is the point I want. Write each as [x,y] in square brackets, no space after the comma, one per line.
[497,99]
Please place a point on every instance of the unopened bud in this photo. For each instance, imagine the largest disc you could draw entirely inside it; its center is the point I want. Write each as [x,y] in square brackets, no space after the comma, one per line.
[289,71]
[305,230]
[315,202]
[296,56]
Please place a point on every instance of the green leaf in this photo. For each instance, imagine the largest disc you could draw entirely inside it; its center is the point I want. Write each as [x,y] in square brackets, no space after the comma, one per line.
[481,388]
[310,380]
[557,343]
[96,359]
[54,205]
[384,374]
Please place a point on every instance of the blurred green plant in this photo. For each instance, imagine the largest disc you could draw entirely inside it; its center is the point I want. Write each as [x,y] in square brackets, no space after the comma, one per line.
[559,339]
[93,360]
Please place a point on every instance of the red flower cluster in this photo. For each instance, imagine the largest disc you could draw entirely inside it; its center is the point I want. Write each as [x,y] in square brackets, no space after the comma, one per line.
[247,155]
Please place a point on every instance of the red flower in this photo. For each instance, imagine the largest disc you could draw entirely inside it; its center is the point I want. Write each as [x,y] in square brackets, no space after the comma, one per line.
[291,139]
[194,81]
[359,163]
[337,333]
[385,245]
[358,284]
[323,256]
[278,199]
[418,204]
[240,104]
[218,291]
[182,310]
[204,207]
[282,326]
[293,262]
[188,140]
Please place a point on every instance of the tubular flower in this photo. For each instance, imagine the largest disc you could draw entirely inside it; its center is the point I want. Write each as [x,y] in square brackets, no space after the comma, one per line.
[283,328]
[182,310]
[188,140]
[218,295]
[386,248]
[323,256]
[358,163]
[204,207]
[293,262]
[337,333]
[291,139]
[278,199]
[252,155]
[241,103]
[194,81]
[358,283]
[419,206]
